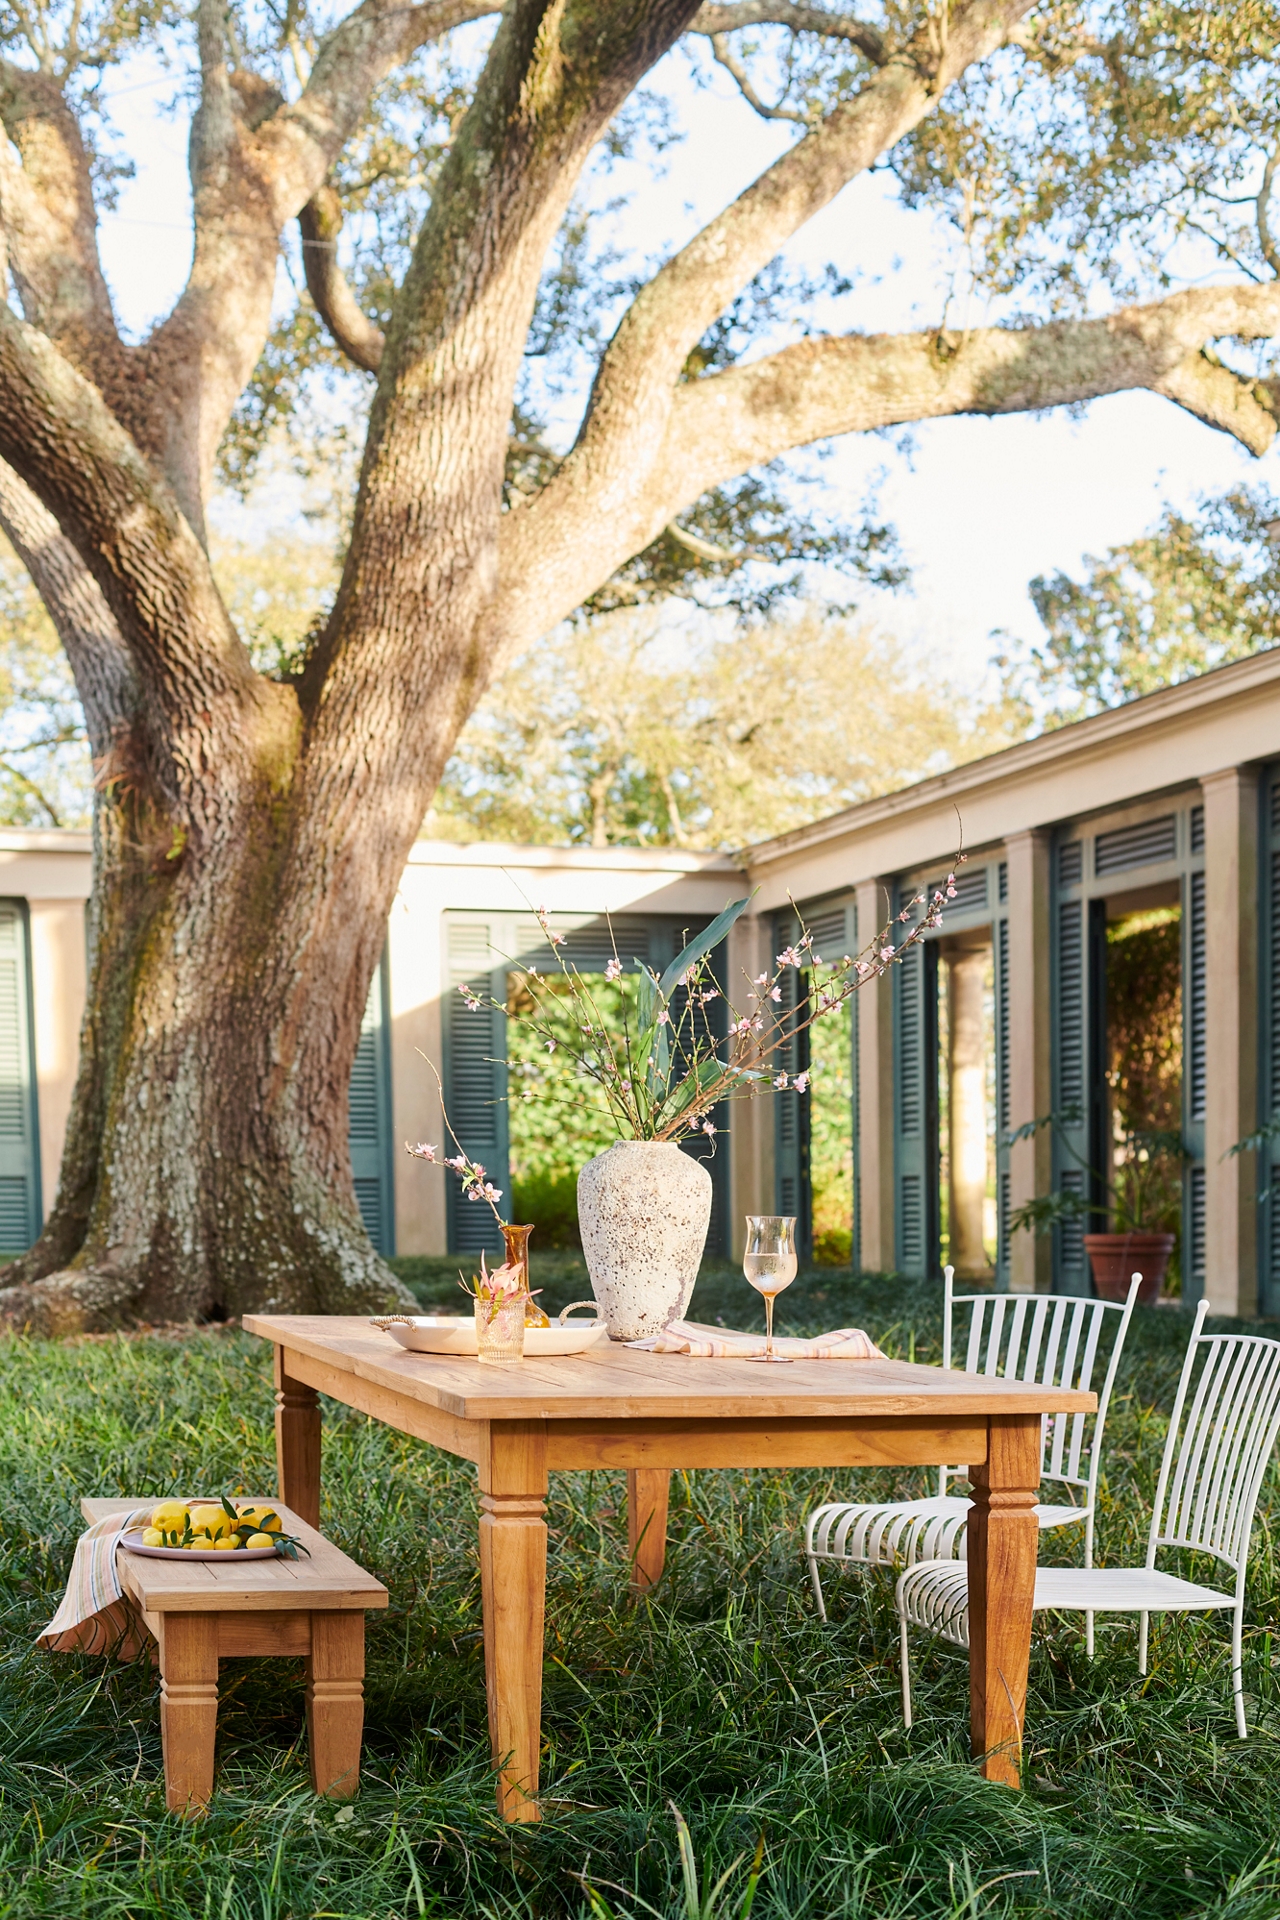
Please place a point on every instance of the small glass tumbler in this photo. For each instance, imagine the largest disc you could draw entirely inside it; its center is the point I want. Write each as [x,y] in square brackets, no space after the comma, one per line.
[500,1331]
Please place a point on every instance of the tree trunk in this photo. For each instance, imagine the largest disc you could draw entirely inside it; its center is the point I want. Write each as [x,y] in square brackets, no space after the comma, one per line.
[206,1170]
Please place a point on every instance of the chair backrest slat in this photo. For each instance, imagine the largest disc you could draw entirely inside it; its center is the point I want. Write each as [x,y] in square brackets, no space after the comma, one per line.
[1226,1417]
[1051,1339]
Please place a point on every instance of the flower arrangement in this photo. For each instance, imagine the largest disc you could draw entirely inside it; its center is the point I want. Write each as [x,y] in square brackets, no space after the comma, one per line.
[492,1291]
[655,1068]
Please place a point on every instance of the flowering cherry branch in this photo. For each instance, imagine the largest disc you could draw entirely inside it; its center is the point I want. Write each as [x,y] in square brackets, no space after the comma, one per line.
[658,1067]
[476,1183]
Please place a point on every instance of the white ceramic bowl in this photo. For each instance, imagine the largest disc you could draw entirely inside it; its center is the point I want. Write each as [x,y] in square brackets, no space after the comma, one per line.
[133,1541]
[456,1333]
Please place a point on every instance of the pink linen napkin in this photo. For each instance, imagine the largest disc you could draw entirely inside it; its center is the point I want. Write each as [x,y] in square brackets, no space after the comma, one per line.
[709,1343]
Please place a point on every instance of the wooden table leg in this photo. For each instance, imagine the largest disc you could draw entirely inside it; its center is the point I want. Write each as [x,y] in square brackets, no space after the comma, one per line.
[297,1443]
[648,1492]
[1003,1542]
[188,1708]
[513,1580]
[335,1702]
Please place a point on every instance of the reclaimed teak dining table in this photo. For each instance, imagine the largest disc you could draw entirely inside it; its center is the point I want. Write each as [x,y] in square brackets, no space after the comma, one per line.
[648,1413]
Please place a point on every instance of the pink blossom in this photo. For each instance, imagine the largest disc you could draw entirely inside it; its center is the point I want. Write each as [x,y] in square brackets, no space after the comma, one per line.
[458,1163]
[788,957]
[664,1018]
[762,979]
[886,953]
[550,1046]
[802,1081]
[470,997]
[708,1126]
[424,1152]
[780,1081]
[613,969]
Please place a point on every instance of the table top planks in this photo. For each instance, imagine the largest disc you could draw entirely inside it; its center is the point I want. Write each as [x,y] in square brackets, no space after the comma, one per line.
[620,1383]
[326,1580]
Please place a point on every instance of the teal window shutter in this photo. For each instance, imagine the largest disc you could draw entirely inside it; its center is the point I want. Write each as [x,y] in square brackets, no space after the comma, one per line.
[369,1122]
[475,1077]
[1194,1078]
[20,1200]
[791,1110]
[915,1049]
[1003,1186]
[1268,1161]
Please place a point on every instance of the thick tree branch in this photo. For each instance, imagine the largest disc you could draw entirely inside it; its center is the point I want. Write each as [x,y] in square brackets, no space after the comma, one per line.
[212,721]
[638,379]
[99,660]
[724,55]
[769,13]
[320,223]
[726,423]
[46,205]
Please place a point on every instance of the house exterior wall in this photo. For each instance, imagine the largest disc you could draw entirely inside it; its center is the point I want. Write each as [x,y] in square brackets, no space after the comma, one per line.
[1207,744]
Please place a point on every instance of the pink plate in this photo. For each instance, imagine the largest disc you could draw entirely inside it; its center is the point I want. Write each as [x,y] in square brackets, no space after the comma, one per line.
[133,1541]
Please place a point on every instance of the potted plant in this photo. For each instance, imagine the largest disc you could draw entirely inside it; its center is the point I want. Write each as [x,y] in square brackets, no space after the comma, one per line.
[642,1054]
[1136,1197]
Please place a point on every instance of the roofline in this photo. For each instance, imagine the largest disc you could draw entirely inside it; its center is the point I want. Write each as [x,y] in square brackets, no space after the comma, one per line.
[1235,682]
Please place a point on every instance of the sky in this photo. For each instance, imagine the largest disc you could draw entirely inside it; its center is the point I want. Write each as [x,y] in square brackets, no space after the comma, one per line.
[981,506]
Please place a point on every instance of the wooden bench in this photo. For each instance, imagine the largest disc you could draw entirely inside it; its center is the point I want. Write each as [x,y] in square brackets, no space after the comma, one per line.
[203,1611]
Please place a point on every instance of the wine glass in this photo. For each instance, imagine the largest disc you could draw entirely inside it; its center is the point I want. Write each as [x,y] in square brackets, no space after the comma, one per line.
[770,1265]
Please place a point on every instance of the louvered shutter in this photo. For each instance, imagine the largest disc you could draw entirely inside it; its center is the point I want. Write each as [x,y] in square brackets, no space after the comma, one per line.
[1194,1080]
[475,1075]
[916,1161]
[1269,1077]
[791,1110]
[369,1120]
[1003,1189]
[20,1209]
[1076,1030]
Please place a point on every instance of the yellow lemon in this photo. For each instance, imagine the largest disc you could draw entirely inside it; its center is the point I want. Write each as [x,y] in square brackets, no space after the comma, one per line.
[198,1546]
[260,1540]
[152,1537]
[265,1519]
[170,1516]
[227,1544]
[211,1521]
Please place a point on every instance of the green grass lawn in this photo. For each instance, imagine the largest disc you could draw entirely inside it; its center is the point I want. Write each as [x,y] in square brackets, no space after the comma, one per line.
[720,1696]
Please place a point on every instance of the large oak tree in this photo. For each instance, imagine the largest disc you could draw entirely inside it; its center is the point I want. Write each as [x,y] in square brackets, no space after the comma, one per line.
[251,830]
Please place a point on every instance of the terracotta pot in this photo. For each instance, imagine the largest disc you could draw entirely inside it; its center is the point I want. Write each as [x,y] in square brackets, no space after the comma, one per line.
[644,1207]
[1116,1257]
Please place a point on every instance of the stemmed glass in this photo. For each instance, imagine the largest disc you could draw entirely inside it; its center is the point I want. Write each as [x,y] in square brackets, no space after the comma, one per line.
[770,1265]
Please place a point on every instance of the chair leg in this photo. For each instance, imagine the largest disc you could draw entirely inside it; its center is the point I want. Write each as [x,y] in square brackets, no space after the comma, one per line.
[906,1674]
[335,1702]
[817,1587]
[1088,1635]
[188,1708]
[1144,1623]
[1237,1671]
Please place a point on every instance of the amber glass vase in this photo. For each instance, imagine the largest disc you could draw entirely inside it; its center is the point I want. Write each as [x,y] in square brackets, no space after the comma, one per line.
[516,1242]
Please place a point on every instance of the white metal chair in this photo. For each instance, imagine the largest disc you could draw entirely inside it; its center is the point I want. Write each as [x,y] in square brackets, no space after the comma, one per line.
[1210,1477]
[1054,1339]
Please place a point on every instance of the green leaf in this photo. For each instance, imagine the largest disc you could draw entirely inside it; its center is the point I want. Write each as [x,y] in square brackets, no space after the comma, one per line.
[699,948]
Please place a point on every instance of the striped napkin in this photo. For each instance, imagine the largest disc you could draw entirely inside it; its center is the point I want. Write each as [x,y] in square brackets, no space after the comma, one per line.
[706,1343]
[94,1616]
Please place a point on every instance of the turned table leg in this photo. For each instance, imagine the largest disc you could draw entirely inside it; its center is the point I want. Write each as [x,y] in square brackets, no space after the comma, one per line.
[1003,1542]
[335,1702]
[188,1708]
[513,1580]
[297,1442]
[648,1492]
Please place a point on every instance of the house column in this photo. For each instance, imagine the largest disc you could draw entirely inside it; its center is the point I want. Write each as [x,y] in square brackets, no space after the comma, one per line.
[879,1251]
[1231,1038]
[1030,1093]
[967,1082]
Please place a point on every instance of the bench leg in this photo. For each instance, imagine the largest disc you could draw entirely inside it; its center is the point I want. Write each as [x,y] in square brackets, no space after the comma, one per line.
[297,1443]
[188,1708]
[335,1702]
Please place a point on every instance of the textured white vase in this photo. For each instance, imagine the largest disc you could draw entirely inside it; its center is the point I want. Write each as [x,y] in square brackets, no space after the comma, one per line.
[644,1207]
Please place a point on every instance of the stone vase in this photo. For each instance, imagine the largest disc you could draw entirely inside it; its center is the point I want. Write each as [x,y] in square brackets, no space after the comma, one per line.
[644,1207]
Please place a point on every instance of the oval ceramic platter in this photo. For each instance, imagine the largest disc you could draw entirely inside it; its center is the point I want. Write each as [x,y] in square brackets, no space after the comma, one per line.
[133,1541]
[456,1333]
